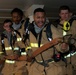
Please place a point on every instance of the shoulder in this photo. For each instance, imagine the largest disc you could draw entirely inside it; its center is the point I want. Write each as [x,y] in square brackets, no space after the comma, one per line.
[72,20]
[25,21]
[73,23]
[56,22]
[3,35]
[50,26]
[22,21]
[53,27]
[30,26]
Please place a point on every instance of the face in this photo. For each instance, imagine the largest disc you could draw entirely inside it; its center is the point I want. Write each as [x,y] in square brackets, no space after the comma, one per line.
[16,17]
[7,26]
[64,14]
[39,19]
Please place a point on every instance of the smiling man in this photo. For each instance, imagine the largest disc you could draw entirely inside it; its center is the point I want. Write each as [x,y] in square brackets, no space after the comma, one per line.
[43,64]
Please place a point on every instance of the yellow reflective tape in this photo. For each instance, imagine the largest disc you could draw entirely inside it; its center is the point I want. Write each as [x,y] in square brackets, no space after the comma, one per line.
[10,61]
[1,52]
[19,39]
[8,48]
[28,48]
[35,45]
[66,26]
[23,53]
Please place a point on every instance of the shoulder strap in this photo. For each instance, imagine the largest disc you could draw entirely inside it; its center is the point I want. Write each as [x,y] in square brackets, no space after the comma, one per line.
[14,37]
[31,28]
[71,20]
[2,36]
[2,42]
[55,23]
[49,32]
[26,23]
[18,32]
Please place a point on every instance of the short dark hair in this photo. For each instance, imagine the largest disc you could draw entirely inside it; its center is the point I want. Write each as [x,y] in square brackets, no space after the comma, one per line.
[17,10]
[64,7]
[7,20]
[39,10]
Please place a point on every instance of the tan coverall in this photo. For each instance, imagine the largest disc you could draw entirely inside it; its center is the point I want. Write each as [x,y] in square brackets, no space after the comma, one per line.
[20,68]
[13,67]
[52,68]
[71,60]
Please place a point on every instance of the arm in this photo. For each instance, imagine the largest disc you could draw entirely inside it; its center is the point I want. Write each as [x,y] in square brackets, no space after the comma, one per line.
[56,32]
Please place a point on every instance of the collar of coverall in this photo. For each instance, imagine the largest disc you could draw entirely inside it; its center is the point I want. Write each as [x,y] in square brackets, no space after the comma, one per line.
[17,26]
[37,29]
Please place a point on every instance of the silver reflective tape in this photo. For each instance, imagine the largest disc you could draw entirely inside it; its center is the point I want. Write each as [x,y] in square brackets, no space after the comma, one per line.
[16,48]
[64,33]
[8,48]
[42,61]
[51,62]
[49,39]
[10,61]
[72,54]
[23,53]
[2,41]
[14,32]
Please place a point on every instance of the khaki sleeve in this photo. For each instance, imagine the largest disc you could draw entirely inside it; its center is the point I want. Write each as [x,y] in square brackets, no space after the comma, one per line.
[73,30]
[73,27]
[1,52]
[56,34]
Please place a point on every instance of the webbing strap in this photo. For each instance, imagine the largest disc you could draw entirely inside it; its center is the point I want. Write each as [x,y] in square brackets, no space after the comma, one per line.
[45,63]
